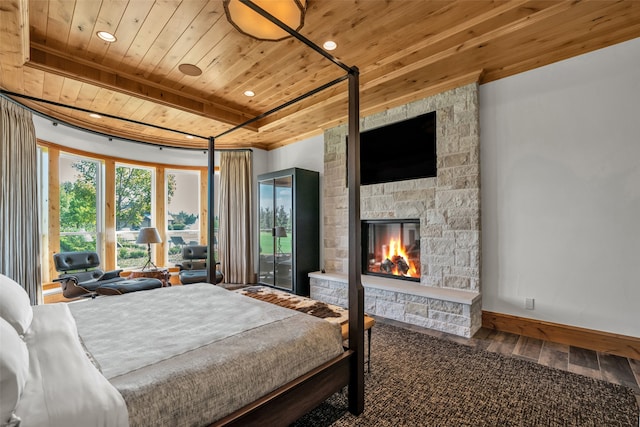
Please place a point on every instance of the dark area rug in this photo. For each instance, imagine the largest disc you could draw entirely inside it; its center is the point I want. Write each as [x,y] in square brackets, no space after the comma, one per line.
[419,380]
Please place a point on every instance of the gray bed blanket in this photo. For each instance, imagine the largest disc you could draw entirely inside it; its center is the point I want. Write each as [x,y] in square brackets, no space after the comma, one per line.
[189,355]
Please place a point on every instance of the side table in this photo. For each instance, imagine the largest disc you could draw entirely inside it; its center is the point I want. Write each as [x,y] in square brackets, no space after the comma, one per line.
[154,273]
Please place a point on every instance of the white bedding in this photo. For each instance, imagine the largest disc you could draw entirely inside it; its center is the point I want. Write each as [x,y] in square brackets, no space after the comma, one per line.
[142,328]
[63,388]
[179,356]
[218,350]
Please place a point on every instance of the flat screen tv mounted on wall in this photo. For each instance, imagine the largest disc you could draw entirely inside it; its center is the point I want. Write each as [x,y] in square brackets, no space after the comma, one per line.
[399,151]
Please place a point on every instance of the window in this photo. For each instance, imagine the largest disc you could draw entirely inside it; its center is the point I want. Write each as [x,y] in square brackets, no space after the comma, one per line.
[77,213]
[43,206]
[216,212]
[79,203]
[133,210]
[183,212]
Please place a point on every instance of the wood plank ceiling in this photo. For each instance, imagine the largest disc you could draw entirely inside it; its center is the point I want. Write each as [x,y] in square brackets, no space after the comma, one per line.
[404,49]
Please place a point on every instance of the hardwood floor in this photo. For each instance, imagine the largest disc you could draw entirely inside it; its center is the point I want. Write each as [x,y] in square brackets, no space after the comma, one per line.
[607,367]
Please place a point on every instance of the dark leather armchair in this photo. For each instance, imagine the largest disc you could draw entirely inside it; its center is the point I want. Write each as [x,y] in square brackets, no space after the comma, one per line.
[193,268]
[81,276]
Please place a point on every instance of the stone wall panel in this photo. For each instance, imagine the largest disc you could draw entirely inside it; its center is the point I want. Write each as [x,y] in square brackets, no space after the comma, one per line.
[448,205]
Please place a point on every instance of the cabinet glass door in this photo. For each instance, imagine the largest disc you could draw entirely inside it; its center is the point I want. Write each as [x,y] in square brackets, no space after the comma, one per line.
[266,268]
[276,209]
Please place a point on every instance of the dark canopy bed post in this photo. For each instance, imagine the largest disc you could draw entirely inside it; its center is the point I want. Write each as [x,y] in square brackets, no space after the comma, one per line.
[211,255]
[356,291]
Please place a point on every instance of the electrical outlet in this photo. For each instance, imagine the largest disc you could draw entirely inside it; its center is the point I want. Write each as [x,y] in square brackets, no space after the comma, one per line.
[528,303]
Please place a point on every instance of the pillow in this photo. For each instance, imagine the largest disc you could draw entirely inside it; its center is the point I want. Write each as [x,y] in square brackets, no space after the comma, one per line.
[15,306]
[14,369]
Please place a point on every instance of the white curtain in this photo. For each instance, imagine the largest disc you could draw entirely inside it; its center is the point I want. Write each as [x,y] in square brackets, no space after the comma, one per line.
[236,217]
[19,211]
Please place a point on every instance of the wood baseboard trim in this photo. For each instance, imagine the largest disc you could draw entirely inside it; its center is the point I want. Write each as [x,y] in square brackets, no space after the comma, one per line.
[620,345]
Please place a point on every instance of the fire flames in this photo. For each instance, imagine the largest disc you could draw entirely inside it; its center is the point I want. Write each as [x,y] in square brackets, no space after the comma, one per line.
[396,260]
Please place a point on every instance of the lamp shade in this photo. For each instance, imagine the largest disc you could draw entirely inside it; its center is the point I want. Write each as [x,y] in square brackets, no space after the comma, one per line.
[280,232]
[251,23]
[148,235]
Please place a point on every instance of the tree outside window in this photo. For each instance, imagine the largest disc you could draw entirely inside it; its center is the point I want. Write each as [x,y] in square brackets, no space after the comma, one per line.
[133,211]
[78,204]
[183,208]
[81,210]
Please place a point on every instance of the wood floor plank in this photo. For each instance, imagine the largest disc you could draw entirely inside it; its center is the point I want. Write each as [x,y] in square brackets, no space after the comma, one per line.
[563,348]
[554,358]
[616,369]
[584,362]
[483,333]
[483,338]
[635,368]
[504,343]
[528,348]
[587,372]
[583,357]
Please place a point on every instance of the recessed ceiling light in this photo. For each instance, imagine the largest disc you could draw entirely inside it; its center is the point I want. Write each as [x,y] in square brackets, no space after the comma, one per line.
[95,116]
[249,93]
[108,37]
[189,69]
[330,45]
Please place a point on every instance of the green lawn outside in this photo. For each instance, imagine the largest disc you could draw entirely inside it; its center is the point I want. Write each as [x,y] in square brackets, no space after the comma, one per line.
[266,243]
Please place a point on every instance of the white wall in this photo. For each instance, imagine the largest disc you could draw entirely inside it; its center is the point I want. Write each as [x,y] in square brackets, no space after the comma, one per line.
[81,140]
[306,154]
[560,180]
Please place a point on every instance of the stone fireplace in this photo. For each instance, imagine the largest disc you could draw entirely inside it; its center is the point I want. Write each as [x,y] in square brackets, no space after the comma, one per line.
[446,294]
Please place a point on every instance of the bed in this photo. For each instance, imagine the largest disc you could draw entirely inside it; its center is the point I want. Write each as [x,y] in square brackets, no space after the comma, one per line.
[126,360]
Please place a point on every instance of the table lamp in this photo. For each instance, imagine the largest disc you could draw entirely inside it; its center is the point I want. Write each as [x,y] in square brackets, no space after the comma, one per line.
[279,232]
[149,235]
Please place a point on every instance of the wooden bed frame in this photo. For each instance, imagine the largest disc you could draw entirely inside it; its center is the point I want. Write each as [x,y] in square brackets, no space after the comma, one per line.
[286,404]
[291,401]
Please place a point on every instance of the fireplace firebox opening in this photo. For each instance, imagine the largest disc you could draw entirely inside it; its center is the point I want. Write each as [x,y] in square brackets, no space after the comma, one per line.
[391,248]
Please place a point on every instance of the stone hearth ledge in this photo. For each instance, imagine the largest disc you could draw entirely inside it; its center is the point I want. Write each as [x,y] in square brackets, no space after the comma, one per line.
[453,311]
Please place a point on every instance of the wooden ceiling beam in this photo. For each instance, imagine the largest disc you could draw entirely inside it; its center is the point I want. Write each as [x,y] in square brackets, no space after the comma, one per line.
[49,61]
